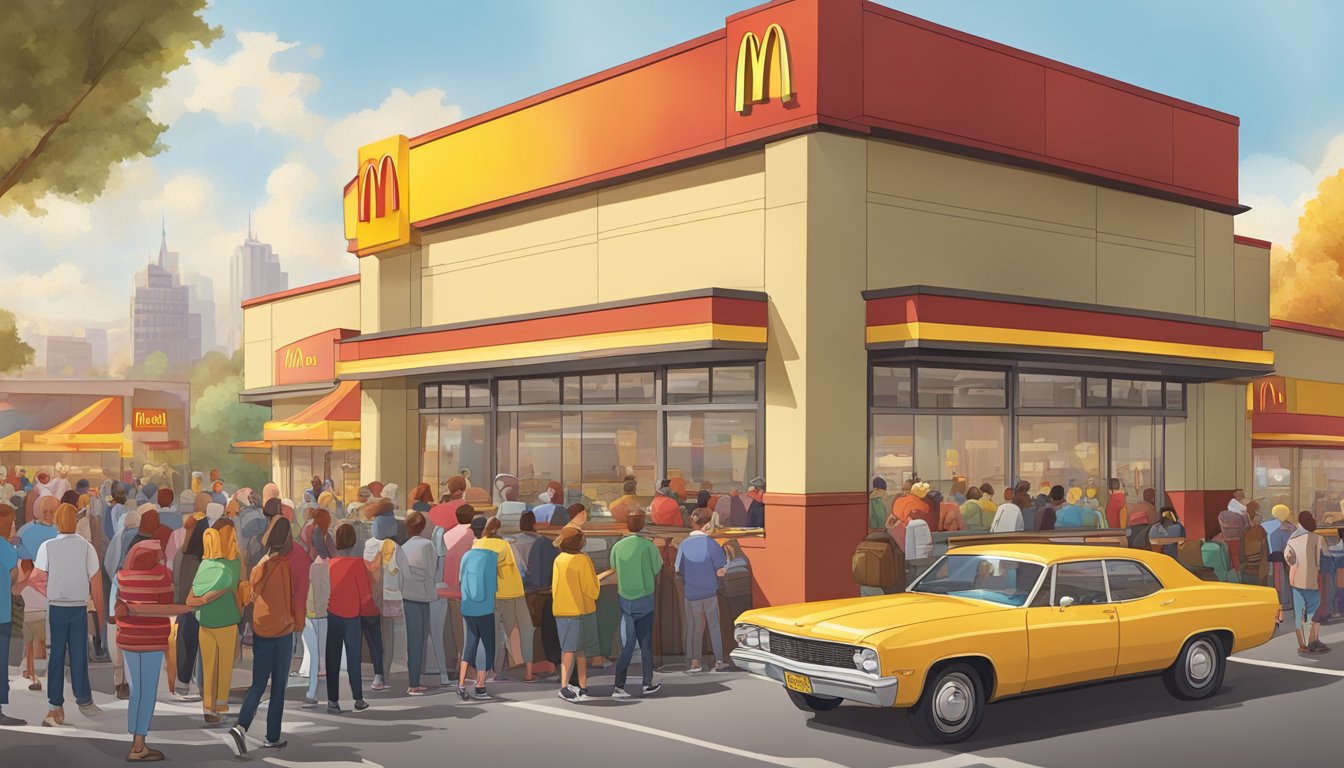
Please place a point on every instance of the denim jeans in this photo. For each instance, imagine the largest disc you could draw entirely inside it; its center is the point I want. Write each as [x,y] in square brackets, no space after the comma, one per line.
[271,658]
[188,647]
[5,629]
[142,673]
[417,632]
[372,628]
[344,634]
[436,654]
[636,627]
[479,632]
[314,646]
[69,634]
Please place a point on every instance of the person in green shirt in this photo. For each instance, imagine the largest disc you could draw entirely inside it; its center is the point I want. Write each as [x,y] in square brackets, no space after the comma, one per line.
[973,512]
[877,505]
[214,596]
[637,563]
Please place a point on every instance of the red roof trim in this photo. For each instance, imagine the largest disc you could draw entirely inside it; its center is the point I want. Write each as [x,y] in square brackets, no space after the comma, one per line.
[301,290]
[1317,330]
[1252,241]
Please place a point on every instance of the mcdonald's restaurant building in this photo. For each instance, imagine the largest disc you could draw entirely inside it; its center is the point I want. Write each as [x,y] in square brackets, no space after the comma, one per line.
[824,243]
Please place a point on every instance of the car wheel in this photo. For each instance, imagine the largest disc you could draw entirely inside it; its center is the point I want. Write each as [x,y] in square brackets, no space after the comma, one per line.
[951,707]
[810,703]
[1198,670]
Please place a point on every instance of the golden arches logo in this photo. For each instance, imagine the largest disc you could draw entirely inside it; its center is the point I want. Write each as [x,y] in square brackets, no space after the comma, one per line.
[378,189]
[1270,394]
[756,58]
[295,358]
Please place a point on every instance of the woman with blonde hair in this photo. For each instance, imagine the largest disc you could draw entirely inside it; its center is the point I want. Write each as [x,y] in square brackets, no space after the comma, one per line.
[214,596]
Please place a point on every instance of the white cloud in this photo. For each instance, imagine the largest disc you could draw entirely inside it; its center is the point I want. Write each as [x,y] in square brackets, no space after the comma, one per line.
[1277,190]
[246,88]
[64,221]
[401,112]
[183,196]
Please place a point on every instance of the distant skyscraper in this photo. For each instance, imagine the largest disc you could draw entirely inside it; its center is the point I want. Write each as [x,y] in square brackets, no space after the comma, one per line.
[161,317]
[98,340]
[255,272]
[69,356]
[201,301]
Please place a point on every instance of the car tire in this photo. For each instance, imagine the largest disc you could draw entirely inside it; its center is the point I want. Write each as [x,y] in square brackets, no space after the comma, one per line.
[951,707]
[1198,670]
[809,703]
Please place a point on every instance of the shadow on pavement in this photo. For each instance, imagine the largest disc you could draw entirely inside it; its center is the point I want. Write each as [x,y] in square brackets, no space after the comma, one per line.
[1063,713]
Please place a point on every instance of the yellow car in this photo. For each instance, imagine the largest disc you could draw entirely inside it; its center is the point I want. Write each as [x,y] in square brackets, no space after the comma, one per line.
[989,622]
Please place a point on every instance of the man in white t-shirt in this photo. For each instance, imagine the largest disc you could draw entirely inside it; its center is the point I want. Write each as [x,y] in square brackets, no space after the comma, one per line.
[1008,518]
[66,569]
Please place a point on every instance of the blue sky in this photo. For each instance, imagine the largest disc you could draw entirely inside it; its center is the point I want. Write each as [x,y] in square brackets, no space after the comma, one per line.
[269,116]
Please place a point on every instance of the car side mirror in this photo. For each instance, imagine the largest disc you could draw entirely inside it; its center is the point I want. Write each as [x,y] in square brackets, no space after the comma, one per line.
[1065,602]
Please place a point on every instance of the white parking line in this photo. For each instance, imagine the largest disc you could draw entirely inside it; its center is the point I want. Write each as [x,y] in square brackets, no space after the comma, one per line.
[786,762]
[1294,667]
[966,759]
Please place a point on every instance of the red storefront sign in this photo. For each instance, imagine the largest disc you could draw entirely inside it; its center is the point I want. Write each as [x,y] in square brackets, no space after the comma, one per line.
[309,359]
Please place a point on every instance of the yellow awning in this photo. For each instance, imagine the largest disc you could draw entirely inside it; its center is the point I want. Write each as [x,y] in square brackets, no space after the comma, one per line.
[97,428]
[333,420]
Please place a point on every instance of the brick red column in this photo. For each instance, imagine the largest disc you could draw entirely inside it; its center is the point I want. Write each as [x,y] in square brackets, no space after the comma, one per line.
[808,545]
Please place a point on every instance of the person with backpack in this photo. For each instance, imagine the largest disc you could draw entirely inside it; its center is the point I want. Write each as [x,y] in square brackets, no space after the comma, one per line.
[275,618]
[637,564]
[878,565]
[478,581]
[419,590]
[877,504]
[456,542]
[515,623]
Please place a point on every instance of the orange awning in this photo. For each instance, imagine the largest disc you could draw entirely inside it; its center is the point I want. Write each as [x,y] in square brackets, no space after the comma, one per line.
[98,427]
[252,446]
[333,420]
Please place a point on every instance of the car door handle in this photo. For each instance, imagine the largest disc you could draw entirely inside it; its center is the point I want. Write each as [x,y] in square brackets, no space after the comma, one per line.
[1108,610]
[1167,602]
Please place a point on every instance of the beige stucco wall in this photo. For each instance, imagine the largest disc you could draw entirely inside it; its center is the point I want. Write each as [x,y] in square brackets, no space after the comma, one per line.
[694,228]
[268,327]
[1212,450]
[1310,356]
[816,367]
[389,431]
[942,220]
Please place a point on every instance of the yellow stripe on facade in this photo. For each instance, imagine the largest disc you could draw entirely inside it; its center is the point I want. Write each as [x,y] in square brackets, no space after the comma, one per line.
[573,345]
[1289,437]
[974,334]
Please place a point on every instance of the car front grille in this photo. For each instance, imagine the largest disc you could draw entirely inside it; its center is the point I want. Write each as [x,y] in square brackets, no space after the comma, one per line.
[812,651]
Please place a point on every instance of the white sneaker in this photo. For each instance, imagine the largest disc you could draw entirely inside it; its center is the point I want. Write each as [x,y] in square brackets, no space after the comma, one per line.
[619,693]
[236,739]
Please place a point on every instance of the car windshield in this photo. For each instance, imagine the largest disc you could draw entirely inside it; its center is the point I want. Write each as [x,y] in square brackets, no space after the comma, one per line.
[992,579]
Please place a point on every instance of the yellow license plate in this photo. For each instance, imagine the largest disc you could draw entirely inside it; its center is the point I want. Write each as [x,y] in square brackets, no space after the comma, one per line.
[799,683]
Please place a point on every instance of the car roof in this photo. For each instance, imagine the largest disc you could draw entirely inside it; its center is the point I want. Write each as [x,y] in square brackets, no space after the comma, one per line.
[1054,553]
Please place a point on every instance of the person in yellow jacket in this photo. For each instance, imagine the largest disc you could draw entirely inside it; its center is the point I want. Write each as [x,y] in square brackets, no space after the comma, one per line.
[574,591]
[514,621]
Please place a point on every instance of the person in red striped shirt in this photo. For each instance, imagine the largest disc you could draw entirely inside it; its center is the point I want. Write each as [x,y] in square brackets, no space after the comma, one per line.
[144,604]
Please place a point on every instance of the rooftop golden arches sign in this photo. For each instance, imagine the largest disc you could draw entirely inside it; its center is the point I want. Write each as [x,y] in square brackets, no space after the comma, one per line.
[763,66]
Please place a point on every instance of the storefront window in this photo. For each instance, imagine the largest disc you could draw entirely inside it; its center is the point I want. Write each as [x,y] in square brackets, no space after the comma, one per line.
[617,444]
[891,387]
[1136,449]
[1273,478]
[718,448]
[688,385]
[1128,393]
[529,447]
[1045,391]
[893,448]
[1061,450]
[1320,480]
[949,388]
[451,442]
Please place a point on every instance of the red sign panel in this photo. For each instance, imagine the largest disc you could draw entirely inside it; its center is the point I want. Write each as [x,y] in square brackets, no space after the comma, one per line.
[309,360]
[1269,395]
[149,420]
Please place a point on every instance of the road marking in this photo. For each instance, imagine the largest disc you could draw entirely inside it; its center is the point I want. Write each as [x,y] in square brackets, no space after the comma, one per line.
[1283,665]
[325,763]
[786,762]
[72,731]
[966,759]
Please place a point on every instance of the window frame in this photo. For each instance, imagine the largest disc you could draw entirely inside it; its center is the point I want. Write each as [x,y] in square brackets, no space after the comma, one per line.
[1110,596]
[1101,563]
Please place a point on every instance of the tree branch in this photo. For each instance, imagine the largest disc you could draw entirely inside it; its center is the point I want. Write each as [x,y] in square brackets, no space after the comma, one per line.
[14,174]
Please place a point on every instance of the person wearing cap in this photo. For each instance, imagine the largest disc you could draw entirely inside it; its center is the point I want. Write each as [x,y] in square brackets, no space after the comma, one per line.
[756,507]
[877,504]
[66,569]
[575,589]
[478,579]
[637,564]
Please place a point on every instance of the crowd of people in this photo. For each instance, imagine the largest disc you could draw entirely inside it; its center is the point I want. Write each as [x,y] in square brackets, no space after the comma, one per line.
[170,589]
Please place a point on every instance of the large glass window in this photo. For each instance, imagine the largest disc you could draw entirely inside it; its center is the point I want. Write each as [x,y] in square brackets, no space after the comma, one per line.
[939,449]
[891,387]
[717,449]
[1136,454]
[1320,480]
[451,442]
[1046,391]
[1273,477]
[950,388]
[1060,450]
[617,444]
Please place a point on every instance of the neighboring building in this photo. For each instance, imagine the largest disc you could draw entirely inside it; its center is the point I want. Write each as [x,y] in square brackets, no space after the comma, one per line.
[98,339]
[255,271]
[161,316]
[201,301]
[826,242]
[69,356]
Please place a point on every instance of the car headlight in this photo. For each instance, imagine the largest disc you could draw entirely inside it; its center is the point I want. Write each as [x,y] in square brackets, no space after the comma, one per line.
[751,637]
[865,660]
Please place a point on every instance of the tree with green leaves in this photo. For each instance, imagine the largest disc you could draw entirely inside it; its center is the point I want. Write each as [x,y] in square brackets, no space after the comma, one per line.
[15,353]
[76,77]
[219,419]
